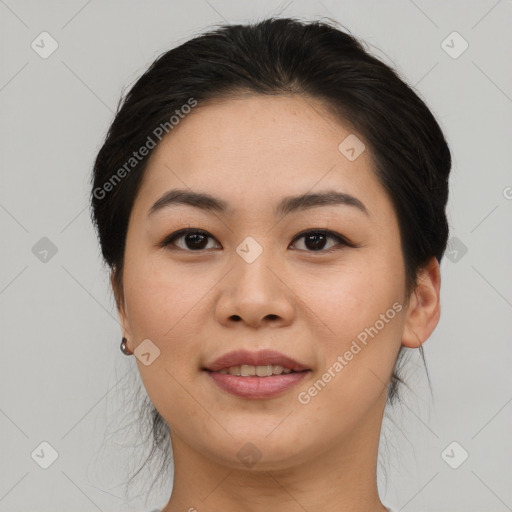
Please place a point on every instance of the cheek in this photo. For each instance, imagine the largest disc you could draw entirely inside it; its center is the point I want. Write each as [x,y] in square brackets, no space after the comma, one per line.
[363,310]
[355,296]
[162,300]
[168,307]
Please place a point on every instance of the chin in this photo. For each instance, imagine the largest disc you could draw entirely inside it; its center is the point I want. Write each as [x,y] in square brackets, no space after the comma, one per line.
[261,449]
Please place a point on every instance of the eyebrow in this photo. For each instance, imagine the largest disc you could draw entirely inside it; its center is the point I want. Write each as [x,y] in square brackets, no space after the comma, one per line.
[287,205]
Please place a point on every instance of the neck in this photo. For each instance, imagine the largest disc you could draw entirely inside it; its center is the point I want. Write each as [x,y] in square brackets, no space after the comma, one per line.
[334,480]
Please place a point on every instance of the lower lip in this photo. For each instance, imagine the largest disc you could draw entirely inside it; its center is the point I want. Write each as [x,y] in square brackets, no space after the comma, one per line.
[256,387]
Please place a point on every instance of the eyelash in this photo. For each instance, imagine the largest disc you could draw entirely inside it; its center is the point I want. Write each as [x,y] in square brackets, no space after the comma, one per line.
[169,240]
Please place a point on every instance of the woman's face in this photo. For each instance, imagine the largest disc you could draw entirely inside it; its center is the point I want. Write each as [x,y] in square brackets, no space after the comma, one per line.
[259,276]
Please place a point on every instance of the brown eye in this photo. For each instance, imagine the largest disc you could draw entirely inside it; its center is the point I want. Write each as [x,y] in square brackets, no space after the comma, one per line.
[316,240]
[193,240]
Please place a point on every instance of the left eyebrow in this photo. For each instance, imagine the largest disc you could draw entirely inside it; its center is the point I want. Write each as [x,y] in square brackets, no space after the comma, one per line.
[328,198]
[287,205]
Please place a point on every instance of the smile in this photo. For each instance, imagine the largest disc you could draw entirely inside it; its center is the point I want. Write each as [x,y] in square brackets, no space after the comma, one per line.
[249,370]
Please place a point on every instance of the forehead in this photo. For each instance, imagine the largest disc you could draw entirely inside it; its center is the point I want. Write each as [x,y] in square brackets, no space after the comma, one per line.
[254,150]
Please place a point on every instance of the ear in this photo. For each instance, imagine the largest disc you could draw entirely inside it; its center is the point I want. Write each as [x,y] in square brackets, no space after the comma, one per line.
[424,307]
[121,308]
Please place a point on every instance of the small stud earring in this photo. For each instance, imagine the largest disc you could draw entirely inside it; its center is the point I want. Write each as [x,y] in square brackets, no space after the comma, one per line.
[124,349]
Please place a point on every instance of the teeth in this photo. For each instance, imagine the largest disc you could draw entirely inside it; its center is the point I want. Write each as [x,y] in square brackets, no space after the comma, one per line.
[247,370]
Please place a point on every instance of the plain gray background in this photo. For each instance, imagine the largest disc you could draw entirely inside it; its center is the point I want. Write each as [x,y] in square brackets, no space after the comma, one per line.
[62,374]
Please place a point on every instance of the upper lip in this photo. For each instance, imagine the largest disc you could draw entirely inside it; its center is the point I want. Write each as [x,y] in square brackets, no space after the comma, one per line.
[259,358]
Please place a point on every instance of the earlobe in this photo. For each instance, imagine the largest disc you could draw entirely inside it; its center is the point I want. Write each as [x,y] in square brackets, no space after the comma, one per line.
[424,307]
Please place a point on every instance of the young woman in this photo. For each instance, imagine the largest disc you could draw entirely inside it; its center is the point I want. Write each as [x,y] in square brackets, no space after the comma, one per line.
[270,200]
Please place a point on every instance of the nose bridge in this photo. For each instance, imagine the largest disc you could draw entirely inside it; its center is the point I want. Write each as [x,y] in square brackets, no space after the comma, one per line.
[252,261]
[254,292]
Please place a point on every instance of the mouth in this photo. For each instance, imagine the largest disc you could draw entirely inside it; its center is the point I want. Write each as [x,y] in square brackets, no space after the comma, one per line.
[249,370]
[256,375]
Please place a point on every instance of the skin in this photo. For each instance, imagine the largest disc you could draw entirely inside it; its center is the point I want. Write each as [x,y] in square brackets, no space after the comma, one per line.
[195,305]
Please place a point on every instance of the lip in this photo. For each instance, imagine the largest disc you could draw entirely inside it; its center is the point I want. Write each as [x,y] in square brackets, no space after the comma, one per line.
[259,358]
[256,387]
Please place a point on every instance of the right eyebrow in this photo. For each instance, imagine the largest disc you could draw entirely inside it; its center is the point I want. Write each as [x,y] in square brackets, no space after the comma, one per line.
[195,199]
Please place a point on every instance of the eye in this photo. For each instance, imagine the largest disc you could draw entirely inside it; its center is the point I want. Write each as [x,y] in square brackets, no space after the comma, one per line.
[194,239]
[315,240]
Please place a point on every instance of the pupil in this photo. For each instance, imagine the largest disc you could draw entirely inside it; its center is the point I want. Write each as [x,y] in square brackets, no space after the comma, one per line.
[318,241]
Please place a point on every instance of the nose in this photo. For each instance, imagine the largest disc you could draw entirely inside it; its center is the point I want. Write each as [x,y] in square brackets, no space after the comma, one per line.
[256,294]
